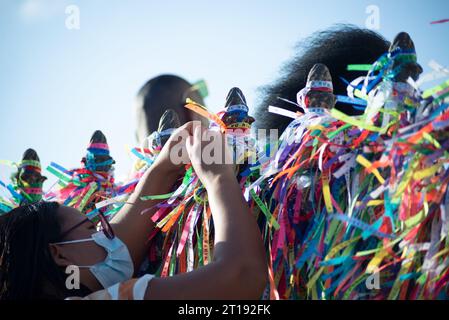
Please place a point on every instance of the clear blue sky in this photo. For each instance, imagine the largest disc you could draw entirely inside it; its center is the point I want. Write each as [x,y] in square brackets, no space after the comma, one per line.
[57,85]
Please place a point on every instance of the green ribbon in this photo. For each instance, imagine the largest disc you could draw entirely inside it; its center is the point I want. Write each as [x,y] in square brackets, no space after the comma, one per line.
[265,210]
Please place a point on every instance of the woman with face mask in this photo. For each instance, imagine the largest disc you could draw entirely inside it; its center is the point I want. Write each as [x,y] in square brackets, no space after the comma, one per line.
[41,243]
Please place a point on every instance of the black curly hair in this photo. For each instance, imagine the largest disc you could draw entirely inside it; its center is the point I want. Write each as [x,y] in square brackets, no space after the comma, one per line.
[336,47]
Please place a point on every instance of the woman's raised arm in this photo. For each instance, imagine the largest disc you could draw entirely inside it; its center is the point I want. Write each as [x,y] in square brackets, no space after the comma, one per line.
[238,269]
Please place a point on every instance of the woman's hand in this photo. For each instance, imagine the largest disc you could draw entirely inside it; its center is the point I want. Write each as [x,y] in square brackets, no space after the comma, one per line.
[209,154]
[173,156]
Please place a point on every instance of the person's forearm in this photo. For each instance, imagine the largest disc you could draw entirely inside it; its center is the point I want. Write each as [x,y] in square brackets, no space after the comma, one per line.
[238,269]
[235,227]
[131,225]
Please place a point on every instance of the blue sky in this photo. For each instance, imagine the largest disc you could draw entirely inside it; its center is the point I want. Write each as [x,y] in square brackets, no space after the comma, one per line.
[57,85]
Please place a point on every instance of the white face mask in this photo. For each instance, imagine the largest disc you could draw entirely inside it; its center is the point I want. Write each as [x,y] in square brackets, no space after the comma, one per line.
[118,265]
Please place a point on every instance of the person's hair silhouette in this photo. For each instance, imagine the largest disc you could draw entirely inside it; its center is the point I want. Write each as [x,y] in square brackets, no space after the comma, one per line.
[160,94]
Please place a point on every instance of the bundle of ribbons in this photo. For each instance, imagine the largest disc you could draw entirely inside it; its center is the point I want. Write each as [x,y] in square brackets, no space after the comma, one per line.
[26,182]
[361,201]
[92,183]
